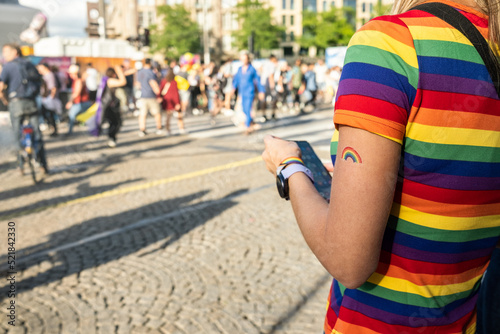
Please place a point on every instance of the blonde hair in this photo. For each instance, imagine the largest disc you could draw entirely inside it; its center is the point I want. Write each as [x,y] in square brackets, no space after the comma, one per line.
[490,7]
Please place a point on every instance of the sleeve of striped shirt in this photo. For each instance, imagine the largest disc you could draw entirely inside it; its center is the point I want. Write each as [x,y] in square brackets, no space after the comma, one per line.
[379,79]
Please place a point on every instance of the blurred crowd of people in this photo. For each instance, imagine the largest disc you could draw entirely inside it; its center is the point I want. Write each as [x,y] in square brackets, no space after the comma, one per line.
[241,88]
[212,88]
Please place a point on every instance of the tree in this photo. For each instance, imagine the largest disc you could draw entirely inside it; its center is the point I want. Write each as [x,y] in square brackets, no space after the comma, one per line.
[331,28]
[177,33]
[310,22]
[334,28]
[379,9]
[256,20]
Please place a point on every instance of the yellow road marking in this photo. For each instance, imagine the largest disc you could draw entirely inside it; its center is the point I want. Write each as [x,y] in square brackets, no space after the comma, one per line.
[138,187]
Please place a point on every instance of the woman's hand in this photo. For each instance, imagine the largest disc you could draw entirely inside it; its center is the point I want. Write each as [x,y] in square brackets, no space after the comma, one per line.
[328,166]
[278,150]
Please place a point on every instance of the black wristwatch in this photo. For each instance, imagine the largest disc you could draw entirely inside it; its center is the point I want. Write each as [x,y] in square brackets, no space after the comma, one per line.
[284,172]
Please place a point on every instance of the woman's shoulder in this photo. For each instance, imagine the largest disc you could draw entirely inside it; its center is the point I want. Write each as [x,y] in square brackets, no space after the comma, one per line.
[388,24]
[401,23]
[388,32]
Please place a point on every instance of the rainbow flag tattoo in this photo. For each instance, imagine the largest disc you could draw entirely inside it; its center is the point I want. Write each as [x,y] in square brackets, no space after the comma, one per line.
[349,152]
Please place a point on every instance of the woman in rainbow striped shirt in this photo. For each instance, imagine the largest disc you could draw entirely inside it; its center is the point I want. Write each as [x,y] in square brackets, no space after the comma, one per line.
[414,214]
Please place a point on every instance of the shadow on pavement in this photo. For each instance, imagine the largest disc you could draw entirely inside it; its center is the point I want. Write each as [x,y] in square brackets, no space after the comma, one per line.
[30,189]
[103,164]
[280,324]
[4,166]
[97,145]
[138,153]
[83,190]
[177,220]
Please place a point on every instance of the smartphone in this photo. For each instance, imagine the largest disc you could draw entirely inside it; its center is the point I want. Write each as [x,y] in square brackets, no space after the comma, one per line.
[322,177]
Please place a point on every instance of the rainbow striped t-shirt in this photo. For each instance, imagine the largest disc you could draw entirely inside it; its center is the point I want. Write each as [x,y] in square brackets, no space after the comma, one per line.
[416,80]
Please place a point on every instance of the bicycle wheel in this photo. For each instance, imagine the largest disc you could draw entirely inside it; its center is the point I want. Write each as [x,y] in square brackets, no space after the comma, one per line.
[32,168]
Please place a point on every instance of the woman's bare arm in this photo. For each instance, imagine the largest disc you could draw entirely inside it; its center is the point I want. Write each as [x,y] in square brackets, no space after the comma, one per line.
[117,82]
[346,236]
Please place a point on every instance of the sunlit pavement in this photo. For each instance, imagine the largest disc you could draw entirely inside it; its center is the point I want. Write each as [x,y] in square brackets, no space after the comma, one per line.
[179,234]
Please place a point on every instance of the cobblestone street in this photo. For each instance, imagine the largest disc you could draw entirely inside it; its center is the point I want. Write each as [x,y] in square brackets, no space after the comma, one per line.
[180,234]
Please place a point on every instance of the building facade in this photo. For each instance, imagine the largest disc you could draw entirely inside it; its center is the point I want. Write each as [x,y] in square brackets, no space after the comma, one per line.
[366,10]
[218,19]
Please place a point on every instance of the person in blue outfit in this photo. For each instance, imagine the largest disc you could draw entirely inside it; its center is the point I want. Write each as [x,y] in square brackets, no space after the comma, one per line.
[246,81]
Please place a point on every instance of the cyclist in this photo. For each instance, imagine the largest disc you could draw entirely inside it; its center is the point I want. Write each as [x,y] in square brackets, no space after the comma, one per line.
[18,75]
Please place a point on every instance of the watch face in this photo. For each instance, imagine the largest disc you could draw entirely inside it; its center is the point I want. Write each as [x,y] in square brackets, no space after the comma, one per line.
[282,186]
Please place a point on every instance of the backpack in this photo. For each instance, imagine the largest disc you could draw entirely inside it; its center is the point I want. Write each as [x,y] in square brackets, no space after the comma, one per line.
[107,105]
[109,101]
[182,82]
[31,80]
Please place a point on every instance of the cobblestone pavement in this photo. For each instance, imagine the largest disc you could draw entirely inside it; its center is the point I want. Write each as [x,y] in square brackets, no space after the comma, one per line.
[180,234]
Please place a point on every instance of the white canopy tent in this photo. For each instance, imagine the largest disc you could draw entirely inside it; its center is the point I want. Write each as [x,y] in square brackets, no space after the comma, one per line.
[86,47]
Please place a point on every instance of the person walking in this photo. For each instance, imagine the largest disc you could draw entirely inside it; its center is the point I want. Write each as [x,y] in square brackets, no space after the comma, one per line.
[194,80]
[148,103]
[281,87]
[412,221]
[270,73]
[91,78]
[245,81]
[22,82]
[332,81]
[171,102]
[50,102]
[109,109]
[174,66]
[308,89]
[296,82]
[227,80]
[214,85]
[320,69]
[80,100]
[62,80]
[129,72]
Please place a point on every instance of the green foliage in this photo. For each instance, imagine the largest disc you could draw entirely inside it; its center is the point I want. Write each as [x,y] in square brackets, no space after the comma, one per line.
[177,34]
[349,14]
[379,9]
[331,28]
[255,18]
[310,23]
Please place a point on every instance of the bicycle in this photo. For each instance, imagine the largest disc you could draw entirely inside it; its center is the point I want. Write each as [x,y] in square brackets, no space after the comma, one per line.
[28,152]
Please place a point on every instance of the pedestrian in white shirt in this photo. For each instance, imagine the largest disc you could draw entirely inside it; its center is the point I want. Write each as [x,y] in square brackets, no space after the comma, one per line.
[320,69]
[91,78]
